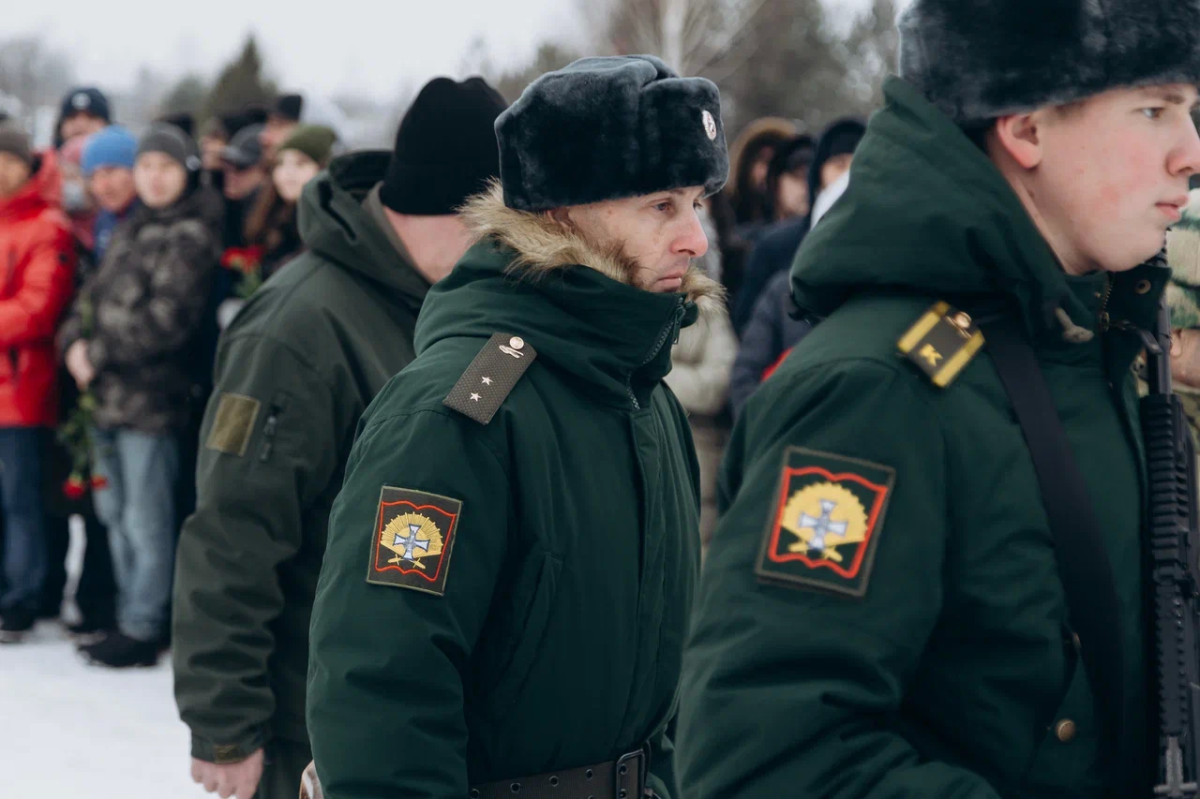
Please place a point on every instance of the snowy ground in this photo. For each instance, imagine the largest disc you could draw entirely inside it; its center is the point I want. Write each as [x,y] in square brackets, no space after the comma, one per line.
[69,730]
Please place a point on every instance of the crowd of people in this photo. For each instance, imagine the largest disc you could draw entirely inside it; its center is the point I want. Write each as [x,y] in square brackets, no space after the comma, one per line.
[125,254]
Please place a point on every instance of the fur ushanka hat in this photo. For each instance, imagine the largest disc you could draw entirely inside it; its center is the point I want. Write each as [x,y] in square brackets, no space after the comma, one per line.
[977,60]
[609,128]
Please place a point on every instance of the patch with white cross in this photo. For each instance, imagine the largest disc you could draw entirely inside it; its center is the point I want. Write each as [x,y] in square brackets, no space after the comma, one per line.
[825,522]
[413,538]
[490,378]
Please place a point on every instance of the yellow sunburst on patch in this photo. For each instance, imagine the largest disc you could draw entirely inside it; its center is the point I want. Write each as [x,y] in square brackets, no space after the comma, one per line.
[412,536]
[824,516]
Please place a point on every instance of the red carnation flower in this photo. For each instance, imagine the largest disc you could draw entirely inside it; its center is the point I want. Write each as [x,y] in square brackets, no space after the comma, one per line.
[75,487]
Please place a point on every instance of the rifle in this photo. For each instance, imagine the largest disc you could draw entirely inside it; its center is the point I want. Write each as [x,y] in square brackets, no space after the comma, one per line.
[1175,573]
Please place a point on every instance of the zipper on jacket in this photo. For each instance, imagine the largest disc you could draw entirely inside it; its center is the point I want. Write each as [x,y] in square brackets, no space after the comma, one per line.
[269,429]
[671,328]
[1108,290]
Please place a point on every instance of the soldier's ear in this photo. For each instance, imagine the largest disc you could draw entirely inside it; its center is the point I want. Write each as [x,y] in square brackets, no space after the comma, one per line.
[1019,136]
[561,217]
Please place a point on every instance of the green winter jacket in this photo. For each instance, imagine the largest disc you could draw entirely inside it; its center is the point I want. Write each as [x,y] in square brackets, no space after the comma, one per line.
[933,657]
[294,373]
[546,629]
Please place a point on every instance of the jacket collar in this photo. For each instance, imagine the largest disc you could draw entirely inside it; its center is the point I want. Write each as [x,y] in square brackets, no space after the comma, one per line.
[576,305]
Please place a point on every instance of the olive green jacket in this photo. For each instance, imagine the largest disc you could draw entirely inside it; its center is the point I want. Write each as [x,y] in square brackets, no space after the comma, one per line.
[294,373]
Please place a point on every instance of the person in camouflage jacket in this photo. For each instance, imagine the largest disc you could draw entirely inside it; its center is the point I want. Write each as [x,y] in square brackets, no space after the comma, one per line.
[1183,297]
[130,342]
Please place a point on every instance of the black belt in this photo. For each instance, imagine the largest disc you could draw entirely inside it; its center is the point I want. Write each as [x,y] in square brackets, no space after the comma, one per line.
[623,778]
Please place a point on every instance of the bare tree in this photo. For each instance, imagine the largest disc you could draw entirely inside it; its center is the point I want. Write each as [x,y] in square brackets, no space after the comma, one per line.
[33,73]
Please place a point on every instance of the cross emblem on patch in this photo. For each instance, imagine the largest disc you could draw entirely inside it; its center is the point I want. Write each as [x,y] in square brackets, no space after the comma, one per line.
[411,544]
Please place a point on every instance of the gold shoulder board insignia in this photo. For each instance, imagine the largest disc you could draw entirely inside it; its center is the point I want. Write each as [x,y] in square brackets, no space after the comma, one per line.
[942,343]
[490,378]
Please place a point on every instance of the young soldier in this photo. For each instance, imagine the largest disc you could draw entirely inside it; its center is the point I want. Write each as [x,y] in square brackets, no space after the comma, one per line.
[885,613]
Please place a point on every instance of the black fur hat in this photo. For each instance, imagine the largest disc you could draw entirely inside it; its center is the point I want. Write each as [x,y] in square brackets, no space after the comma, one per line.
[981,59]
[608,128]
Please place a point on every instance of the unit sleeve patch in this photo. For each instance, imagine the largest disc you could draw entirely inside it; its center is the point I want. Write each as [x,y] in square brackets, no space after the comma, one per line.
[823,531]
[234,423]
[413,539]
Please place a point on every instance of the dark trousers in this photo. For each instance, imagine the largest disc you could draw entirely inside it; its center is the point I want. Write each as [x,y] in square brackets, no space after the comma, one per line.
[24,554]
[284,764]
[96,594]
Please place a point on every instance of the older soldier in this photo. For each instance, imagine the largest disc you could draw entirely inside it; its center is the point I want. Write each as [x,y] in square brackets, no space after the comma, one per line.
[512,558]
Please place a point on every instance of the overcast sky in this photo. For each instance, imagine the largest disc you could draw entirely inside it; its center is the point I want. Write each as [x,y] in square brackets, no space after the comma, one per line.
[367,47]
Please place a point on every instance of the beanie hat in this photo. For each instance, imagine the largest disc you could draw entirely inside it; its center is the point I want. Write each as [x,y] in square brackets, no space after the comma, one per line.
[977,60]
[85,100]
[1183,256]
[288,107]
[172,142]
[245,149]
[113,146]
[182,120]
[445,148]
[15,141]
[315,141]
[609,128]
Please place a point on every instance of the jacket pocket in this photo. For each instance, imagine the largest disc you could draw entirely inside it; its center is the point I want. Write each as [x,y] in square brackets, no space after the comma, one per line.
[539,582]
[1067,755]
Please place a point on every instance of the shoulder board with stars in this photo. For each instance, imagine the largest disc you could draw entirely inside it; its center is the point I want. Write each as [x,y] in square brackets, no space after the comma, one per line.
[942,343]
[490,378]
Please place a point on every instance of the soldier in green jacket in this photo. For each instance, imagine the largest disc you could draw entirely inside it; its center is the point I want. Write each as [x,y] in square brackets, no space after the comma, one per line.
[882,611]
[294,373]
[512,558]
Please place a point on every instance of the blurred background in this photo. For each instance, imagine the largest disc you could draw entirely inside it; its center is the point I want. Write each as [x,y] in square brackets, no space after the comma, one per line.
[807,60]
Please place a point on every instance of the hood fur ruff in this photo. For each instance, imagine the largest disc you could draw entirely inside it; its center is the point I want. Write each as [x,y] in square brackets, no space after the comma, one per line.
[542,246]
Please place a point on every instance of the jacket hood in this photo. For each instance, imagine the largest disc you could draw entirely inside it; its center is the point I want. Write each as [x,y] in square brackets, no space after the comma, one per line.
[42,190]
[334,225]
[576,305]
[927,213]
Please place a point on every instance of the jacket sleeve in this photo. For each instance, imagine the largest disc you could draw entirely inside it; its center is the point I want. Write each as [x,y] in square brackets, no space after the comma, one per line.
[386,663]
[162,318]
[269,447]
[790,691]
[702,386]
[33,312]
[760,347]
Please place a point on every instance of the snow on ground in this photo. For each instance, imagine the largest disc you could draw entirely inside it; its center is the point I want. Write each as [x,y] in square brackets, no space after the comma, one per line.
[73,731]
[68,729]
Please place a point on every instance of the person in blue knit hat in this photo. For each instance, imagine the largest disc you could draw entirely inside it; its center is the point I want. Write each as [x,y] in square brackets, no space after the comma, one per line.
[108,168]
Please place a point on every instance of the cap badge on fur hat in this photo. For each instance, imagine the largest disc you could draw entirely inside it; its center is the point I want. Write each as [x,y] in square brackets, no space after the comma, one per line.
[81,101]
[710,125]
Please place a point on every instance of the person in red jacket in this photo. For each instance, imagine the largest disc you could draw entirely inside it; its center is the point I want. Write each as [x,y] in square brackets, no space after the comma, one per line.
[37,262]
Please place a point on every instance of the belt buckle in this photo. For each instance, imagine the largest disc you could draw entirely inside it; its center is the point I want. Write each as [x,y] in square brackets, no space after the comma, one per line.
[621,767]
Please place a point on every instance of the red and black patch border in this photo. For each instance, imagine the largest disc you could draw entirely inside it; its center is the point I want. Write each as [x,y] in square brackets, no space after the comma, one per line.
[448,537]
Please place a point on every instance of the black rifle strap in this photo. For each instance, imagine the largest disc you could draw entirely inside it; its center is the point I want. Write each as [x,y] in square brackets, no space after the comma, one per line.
[1083,562]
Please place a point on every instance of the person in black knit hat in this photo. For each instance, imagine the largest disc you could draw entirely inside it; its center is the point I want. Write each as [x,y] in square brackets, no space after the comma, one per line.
[295,370]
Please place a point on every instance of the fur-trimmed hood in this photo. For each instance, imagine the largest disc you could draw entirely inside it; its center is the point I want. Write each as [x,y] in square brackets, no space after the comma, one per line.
[542,246]
[577,308]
